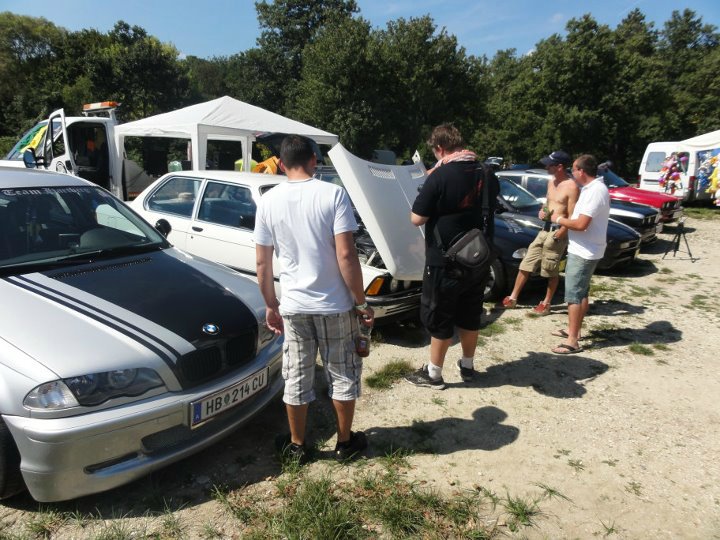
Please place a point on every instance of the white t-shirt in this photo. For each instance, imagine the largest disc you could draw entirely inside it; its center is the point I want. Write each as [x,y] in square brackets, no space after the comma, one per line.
[300,220]
[594,201]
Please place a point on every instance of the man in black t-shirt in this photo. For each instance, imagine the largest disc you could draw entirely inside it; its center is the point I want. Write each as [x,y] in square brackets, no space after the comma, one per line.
[450,201]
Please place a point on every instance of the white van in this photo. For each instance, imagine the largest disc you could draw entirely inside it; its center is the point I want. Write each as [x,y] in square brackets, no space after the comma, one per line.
[686,169]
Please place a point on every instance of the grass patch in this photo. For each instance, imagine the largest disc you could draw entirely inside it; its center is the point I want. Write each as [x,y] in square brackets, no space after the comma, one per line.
[521,512]
[639,348]
[576,464]
[660,347]
[639,291]
[600,288]
[389,374]
[438,401]
[610,462]
[700,301]
[495,328]
[45,523]
[634,487]
[702,212]
[665,270]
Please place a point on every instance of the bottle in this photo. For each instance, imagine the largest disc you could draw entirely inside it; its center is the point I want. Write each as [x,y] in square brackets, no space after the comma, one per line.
[548,213]
[362,341]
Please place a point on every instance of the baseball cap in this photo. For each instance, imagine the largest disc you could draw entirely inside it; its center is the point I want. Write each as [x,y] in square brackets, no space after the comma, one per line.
[558,157]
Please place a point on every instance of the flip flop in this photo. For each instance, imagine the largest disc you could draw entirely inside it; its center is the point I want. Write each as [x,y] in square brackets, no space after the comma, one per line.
[566,348]
[563,334]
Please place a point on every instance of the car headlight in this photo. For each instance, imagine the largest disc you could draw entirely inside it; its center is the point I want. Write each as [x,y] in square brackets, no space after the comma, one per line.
[92,389]
[519,253]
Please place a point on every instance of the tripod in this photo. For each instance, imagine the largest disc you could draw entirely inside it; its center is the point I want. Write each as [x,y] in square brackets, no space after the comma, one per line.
[675,242]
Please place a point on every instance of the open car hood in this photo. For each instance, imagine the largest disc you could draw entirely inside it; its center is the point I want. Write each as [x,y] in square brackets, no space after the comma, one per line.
[383,196]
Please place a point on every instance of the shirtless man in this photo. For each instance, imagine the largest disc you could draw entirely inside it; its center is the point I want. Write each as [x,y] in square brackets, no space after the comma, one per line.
[548,248]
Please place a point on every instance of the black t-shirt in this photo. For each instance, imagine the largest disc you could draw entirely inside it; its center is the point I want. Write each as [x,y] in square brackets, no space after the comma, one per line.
[451,198]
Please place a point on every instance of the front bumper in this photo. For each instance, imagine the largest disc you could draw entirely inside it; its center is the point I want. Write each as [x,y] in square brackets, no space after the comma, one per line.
[65,458]
[618,255]
[393,307]
[668,216]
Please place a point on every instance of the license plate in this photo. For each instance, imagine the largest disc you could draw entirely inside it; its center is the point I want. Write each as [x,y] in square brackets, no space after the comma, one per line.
[230,397]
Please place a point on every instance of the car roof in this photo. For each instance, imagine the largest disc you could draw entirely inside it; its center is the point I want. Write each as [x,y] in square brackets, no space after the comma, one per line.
[247,178]
[15,177]
[522,172]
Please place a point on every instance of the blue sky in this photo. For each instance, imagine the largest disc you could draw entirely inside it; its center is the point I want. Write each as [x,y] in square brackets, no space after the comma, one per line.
[225,27]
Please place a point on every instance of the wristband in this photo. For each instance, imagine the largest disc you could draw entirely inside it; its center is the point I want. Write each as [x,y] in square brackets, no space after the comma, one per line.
[558,220]
[362,306]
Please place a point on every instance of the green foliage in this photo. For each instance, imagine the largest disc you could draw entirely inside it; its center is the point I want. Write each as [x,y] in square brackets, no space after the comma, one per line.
[591,88]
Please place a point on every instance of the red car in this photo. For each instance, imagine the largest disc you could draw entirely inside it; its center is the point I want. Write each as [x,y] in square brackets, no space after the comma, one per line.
[669,206]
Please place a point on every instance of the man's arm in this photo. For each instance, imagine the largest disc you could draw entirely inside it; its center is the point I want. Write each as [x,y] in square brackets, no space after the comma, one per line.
[573,194]
[580,223]
[266,281]
[418,220]
[352,275]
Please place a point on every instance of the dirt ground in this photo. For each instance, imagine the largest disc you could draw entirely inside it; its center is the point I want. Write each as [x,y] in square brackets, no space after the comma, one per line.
[627,430]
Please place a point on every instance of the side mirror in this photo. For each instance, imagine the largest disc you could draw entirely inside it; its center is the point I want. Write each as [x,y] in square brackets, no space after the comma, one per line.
[29,158]
[163,227]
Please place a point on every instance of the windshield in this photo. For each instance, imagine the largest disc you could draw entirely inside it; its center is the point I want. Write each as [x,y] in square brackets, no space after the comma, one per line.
[612,180]
[517,197]
[31,139]
[52,225]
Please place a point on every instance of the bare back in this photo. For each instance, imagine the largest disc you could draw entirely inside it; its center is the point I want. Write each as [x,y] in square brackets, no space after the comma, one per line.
[562,196]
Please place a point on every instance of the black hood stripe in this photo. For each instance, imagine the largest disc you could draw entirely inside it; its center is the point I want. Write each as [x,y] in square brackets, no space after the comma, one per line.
[151,346]
[103,313]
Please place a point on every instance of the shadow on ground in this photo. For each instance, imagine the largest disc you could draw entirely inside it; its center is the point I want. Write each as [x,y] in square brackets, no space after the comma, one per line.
[485,431]
[546,373]
[657,332]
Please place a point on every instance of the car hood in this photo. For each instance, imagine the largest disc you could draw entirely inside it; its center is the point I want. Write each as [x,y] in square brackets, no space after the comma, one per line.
[383,196]
[140,311]
[642,196]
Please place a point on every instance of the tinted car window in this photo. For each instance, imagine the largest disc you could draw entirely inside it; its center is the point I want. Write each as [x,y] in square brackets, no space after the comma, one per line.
[537,186]
[48,225]
[176,196]
[226,204]
[612,180]
[516,196]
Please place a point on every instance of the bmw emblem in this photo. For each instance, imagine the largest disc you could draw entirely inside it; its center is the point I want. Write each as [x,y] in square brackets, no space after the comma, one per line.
[211,329]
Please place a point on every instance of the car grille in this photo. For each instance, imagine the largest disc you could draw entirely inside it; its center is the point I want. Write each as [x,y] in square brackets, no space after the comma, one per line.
[210,362]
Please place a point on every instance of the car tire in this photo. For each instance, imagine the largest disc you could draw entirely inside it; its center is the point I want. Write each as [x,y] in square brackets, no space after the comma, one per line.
[11,481]
[497,282]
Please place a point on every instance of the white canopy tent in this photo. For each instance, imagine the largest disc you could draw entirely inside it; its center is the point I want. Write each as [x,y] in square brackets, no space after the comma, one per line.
[224,118]
[706,140]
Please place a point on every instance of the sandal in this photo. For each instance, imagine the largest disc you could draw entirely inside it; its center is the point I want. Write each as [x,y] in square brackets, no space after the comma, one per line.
[566,348]
[563,334]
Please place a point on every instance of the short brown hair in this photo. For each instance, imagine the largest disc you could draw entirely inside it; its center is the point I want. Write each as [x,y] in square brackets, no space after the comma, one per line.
[296,151]
[447,137]
[587,163]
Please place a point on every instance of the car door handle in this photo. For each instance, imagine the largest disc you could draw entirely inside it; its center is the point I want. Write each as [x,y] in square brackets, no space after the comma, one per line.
[197,229]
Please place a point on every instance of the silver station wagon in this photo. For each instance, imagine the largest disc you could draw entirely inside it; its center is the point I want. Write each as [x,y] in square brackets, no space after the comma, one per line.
[119,354]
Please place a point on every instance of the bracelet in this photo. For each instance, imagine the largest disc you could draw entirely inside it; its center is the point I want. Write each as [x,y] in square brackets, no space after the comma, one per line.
[558,220]
[362,306]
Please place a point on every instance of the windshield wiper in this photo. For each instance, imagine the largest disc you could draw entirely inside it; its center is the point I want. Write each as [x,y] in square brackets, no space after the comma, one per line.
[83,257]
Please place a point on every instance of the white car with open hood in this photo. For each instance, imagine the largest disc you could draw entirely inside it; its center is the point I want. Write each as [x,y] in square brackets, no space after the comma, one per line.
[212,215]
[119,354]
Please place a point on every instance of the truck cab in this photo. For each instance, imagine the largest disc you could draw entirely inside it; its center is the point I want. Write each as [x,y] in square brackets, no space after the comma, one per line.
[83,146]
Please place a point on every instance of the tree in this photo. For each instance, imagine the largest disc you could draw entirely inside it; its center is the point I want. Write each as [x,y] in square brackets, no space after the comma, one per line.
[338,90]
[689,50]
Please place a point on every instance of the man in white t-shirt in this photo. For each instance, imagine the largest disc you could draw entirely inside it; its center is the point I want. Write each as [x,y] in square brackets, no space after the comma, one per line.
[309,225]
[587,239]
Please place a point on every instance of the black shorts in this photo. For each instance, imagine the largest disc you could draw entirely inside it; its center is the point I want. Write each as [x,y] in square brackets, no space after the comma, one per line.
[452,296]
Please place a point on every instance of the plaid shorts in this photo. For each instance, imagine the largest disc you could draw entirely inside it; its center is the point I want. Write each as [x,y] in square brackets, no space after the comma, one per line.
[334,337]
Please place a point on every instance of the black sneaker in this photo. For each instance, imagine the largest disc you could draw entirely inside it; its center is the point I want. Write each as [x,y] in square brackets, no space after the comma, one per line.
[466,374]
[290,451]
[421,377]
[351,448]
